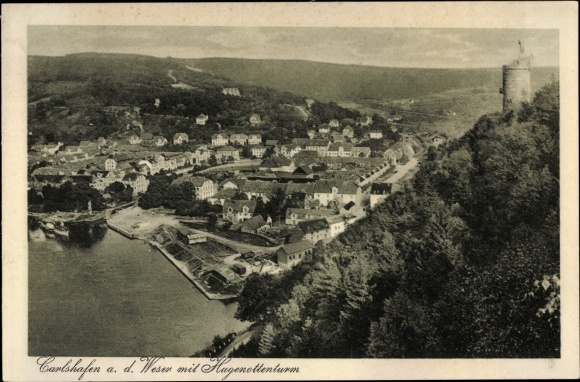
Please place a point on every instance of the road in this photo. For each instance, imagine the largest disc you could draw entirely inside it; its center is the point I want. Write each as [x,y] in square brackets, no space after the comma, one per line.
[243,338]
[402,170]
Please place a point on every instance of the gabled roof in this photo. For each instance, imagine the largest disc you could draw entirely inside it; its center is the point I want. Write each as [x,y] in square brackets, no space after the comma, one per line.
[311,226]
[238,205]
[180,135]
[220,136]
[276,161]
[271,142]
[255,222]
[300,246]
[225,194]
[197,181]
[255,136]
[227,149]
[238,136]
[303,170]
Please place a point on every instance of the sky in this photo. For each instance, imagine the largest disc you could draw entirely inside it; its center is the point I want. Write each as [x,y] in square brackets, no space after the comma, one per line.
[388,47]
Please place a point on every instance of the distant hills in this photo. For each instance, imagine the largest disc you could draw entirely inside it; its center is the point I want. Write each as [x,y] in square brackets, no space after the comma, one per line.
[447,101]
[335,82]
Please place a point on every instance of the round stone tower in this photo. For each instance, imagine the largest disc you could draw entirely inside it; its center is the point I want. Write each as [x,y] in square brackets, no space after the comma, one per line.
[516,84]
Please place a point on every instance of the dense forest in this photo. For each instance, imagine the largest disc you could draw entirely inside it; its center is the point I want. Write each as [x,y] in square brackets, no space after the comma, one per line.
[462,263]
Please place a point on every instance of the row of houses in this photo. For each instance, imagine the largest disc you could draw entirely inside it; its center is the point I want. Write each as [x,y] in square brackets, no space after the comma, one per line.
[223,139]
[98,179]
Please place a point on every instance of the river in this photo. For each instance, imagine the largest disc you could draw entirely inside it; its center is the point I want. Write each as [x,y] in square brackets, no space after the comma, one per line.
[116,297]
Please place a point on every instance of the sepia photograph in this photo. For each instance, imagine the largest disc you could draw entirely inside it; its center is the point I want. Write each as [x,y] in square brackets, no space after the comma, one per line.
[201,195]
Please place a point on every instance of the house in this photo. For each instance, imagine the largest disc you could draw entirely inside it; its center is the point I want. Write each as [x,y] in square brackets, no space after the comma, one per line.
[311,134]
[220,139]
[50,148]
[278,163]
[255,119]
[290,150]
[241,139]
[101,142]
[179,138]
[327,191]
[221,196]
[110,164]
[134,139]
[254,139]
[339,150]
[239,269]
[376,134]
[364,152]
[379,192]
[189,237]
[291,254]
[255,189]
[352,212]
[309,102]
[239,210]
[364,121]
[336,224]
[256,224]
[324,128]
[225,152]
[201,119]
[333,123]
[297,215]
[73,150]
[315,230]
[102,179]
[137,181]
[204,188]
[258,151]
[337,138]
[147,139]
[231,91]
[391,156]
[230,184]
[437,140]
[160,141]
[318,145]
[348,132]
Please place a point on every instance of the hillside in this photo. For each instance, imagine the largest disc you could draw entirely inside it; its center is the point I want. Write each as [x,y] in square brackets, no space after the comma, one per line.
[463,262]
[334,82]
[67,94]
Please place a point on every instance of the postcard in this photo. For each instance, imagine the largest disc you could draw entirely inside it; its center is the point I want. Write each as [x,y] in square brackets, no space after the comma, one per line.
[290,191]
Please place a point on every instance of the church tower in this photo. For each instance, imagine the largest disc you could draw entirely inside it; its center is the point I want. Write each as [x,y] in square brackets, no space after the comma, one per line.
[516,82]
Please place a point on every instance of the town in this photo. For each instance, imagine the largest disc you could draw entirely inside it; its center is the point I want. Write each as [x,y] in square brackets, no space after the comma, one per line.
[271,202]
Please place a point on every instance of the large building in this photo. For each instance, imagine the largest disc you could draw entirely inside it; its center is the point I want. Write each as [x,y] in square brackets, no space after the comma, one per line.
[516,83]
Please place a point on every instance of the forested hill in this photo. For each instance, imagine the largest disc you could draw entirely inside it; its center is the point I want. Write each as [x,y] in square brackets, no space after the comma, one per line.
[335,82]
[75,97]
[463,263]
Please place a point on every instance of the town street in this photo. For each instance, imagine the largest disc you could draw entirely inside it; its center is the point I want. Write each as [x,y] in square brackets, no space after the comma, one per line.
[402,170]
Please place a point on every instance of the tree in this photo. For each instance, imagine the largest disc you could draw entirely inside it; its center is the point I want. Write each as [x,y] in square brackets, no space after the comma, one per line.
[211,221]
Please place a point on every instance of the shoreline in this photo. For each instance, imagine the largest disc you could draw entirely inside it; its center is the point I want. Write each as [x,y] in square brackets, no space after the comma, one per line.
[187,273]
